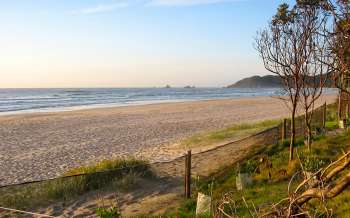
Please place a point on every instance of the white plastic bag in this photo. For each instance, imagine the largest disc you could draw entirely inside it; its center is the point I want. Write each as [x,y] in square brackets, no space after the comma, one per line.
[243,180]
[203,204]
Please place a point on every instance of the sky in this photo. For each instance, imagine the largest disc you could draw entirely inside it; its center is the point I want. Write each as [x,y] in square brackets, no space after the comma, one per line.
[130,43]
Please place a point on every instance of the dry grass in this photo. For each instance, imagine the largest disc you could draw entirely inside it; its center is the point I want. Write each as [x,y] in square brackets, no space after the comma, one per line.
[110,175]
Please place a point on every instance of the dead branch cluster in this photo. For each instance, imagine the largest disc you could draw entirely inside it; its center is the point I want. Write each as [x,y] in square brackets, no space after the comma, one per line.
[313,192]
[320,186]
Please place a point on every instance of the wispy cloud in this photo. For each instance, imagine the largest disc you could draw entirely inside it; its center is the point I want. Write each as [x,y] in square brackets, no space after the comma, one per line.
[188,2]
[102,8]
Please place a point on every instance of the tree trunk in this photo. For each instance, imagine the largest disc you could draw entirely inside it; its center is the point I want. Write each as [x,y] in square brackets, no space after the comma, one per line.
[308,130]
[339,106]
[309,137]
[292,135]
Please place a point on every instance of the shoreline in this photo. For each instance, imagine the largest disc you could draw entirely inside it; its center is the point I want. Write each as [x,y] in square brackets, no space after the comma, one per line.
[90,107]
[45,145]
[114,106]
[17,101]
[96,105]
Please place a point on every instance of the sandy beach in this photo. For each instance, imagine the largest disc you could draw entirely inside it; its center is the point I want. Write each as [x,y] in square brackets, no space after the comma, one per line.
[44,145]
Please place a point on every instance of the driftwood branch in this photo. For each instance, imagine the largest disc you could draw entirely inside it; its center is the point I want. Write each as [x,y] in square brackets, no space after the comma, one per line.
[327,186]
[326,193]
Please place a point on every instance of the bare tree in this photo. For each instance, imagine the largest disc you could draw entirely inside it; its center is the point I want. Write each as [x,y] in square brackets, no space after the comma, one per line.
[340,45]
[314,73]
[284,47]
[338,35]
[312,88]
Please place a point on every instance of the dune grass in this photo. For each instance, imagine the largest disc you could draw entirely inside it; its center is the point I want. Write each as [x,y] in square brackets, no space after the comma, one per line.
[110,175]
[107,165]
[233,132]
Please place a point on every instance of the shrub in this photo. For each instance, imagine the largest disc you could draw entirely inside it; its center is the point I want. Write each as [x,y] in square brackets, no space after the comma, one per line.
[312,164]
[112,212]
[249,166]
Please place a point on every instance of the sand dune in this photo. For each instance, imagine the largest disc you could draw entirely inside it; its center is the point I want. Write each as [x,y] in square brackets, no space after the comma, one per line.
[44,145]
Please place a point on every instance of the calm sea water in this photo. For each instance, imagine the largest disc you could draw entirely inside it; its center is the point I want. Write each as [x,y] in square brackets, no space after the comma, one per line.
[44,100]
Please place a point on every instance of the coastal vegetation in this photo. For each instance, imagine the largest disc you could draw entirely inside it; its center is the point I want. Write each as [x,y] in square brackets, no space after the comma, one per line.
[111,175]
[272,176]
[270,184]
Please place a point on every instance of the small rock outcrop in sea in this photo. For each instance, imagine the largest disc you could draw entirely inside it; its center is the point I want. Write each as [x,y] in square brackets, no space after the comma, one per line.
[189,87]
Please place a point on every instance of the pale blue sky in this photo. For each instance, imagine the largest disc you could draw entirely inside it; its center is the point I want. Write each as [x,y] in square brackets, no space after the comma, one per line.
[131,43]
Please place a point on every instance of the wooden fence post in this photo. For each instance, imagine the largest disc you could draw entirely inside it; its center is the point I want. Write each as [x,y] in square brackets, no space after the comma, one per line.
[188,175]
[324,115]
[284,130]
[340,105]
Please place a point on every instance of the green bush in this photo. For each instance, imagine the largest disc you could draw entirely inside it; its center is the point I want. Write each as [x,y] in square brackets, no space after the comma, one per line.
[249,166]
[312,163]
[112,212]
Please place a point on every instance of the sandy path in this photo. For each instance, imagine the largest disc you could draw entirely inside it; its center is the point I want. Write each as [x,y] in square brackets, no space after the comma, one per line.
[156,195]
[38,146]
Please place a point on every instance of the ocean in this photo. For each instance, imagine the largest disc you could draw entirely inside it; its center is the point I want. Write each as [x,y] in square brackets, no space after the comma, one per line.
[14,101]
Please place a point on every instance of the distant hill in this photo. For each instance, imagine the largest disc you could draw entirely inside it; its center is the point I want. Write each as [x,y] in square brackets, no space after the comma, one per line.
[269,81]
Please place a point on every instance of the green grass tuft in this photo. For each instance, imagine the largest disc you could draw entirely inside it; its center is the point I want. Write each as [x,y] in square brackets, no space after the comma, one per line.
[112,212]
[332,124]
[231,133]
[107,165]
